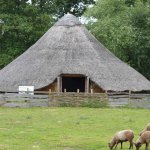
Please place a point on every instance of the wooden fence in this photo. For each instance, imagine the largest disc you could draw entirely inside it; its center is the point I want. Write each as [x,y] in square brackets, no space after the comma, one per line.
[128,99]
[23,100]
[49,99]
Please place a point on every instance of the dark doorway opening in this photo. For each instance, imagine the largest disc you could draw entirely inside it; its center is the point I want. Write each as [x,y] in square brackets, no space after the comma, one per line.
[71,84]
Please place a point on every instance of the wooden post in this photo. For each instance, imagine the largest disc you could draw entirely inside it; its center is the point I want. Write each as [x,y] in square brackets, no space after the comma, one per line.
[129,98]
[87,84]
[49,97]
[65,90]
[28,91]
[58,84]
[49,92]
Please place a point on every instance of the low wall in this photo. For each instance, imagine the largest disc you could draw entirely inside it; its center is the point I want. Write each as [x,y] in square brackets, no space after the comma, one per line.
[78,100]
[45,99]
[53,100]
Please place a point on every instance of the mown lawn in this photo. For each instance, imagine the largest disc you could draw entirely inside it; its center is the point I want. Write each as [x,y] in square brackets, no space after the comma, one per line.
[66,128]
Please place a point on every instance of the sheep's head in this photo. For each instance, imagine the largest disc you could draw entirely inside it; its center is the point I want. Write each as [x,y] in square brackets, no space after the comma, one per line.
[110,146]
[137,145]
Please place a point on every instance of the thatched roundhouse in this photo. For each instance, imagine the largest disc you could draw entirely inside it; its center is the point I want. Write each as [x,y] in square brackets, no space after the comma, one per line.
[66,58]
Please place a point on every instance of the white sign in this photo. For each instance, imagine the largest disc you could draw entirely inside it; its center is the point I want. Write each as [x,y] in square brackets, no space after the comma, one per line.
[26,89]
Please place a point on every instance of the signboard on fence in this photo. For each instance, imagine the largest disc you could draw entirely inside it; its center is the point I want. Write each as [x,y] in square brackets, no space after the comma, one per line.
[26,90]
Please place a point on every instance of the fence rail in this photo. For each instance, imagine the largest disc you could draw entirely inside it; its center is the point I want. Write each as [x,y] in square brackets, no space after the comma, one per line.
[138,100]
[48,99]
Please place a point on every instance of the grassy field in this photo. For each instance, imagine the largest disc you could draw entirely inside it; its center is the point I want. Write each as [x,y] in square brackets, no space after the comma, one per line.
[67,128]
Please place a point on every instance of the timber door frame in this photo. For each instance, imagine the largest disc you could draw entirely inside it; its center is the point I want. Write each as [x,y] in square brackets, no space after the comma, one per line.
[59,81]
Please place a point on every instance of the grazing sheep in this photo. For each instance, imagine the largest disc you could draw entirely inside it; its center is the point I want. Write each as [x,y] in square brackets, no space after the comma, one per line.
[120,137]
[147,128]
[143,139]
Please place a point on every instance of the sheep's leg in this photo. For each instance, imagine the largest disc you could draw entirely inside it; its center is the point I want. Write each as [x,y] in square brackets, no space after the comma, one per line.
[131,145]
[121,144]
[146,147]
[116,145]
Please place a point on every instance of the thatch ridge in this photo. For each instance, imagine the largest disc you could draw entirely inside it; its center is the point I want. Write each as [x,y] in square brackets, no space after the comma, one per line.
[68,20]
[69,48]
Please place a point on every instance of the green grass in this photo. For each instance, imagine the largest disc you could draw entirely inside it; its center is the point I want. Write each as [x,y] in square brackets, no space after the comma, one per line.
[67,128]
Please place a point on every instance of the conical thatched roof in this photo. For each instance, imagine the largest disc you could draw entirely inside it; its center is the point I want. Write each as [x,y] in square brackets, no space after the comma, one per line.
[69,48]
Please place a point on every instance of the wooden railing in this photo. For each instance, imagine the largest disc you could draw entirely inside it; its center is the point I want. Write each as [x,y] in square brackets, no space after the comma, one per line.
[40,98]
[45,99]
[129,99]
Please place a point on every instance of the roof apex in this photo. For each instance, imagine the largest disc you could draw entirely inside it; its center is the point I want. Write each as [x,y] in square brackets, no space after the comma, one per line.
[68,20]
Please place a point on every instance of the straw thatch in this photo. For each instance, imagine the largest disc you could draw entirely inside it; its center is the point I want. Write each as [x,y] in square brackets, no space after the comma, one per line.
[69,48]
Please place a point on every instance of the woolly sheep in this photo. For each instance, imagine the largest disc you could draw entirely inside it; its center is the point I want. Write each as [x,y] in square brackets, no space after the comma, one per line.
[143,139]
[147,128]
[120,137]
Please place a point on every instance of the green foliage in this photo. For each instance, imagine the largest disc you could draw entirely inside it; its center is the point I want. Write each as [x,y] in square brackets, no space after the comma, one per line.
[91,103]
[95,103]
[60,7]
[124,28]
[21,26]
[130,2]
[140,20]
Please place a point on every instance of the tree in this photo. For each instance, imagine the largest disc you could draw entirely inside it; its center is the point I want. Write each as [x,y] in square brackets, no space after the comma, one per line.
[60,7]
[21,24]
[140,21]
[125,30]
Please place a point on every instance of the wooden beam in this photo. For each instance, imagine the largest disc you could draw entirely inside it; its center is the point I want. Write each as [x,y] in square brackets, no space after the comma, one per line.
[87,84]
[72,75]
[58,85]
